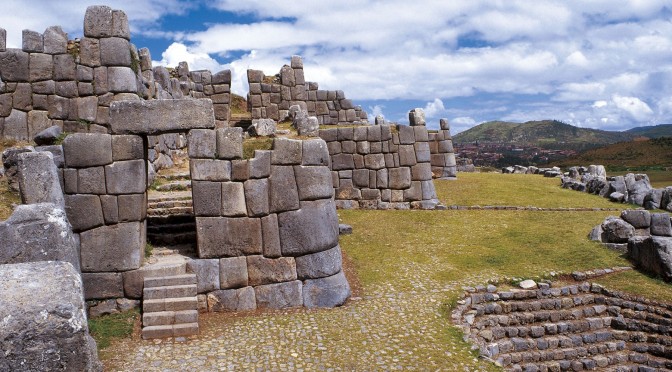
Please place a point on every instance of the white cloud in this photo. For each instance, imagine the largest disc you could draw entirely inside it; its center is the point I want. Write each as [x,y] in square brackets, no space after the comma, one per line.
[434,109]
[178,52]
[634,106]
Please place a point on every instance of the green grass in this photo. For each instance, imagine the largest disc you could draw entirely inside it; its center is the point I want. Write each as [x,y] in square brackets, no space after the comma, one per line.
[515,190]
[638,283]
[108,327]
[256,143]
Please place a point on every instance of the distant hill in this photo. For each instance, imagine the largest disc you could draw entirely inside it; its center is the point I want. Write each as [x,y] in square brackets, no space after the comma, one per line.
[655,152]
[546,133]
[654,131]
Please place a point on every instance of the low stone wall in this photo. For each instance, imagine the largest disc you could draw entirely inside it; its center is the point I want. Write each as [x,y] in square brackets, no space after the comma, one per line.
[574,327]
[270,97]
[381,167]
[645,237]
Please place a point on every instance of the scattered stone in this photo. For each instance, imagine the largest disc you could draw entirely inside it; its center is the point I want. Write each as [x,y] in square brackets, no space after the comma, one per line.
[528,284]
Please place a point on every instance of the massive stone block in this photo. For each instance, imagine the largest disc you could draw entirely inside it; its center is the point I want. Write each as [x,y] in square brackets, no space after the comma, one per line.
[37,232]
[84,211]
[156,116]
[207,274]
[263,270]
[38,179]
[319,265]
[242,299]
[230,143]
[87,150]
[326,292]
[112,248]
[14,65]
[98,21]
[279,295]
[233,272]
[228,237]
[311,229]
[50,331]
[126,177]
[98,286]
[653,254]
[314,182]
[256,197]
[660,224]
[233,199]
[284,194]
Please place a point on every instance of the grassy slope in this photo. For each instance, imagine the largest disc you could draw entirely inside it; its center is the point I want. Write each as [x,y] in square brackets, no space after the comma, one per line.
[623,155]
[542,133]
[653,131]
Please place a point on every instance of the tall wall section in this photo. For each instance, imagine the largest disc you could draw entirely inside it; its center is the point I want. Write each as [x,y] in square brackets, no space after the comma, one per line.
[71,83]
[271,96]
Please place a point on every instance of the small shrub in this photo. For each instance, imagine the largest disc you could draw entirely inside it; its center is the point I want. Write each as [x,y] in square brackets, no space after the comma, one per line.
[148,250]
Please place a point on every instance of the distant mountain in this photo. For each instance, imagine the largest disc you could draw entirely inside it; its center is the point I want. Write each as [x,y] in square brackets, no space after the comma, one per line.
[654,131]
[655,152]
[546,133]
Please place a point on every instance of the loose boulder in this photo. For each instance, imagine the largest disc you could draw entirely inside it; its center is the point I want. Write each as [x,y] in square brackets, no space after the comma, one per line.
[615,230]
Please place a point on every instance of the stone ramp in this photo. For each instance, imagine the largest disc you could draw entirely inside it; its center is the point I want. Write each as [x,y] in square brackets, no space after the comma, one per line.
[576,327]
[169,306]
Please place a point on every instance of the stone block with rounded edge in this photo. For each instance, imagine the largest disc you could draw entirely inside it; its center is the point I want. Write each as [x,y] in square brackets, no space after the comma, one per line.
[84,211]
[286,151]
[616,230]
[100,286]
[241,299]
[311,229]
[256,197]
[639,219]
[49,332]
[233,199]
[228,237]
[279,295]
[283,190]
[38,179]
[271,236]
[315,152]
[229,143]
[262,270]
[112,248]
[98,21]
[660,224]
[207,198]
[126,177]
[319,265]
[115,51]
[127,147]
[314,182]
[399,178]
[87,150]
[37,232]
[260,165]
[331,291]
[121,79]
[159,116]
[233,272]
[207,274]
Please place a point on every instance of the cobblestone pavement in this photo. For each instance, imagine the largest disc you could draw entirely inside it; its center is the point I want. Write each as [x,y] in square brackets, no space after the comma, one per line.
[383,330]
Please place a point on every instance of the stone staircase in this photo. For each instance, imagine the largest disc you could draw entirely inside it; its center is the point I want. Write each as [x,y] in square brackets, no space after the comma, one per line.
[170,218]
[572,328]
[169,306]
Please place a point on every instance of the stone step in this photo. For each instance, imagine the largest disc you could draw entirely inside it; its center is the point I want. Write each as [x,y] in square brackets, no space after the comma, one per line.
[156,197]
[169,204]
[608,351]
[169,318]
[170,304]
[175,176]
[596,362]
[170,211]
[175,186]
[164,331]
[184,250]
[165,281]
[171,239]
[168,219]
[173,291]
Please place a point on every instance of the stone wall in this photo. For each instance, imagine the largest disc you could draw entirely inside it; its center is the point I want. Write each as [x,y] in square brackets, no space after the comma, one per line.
[71,83]
[267,227]
[271,96]
[443,154]
[566,328]
[381,167]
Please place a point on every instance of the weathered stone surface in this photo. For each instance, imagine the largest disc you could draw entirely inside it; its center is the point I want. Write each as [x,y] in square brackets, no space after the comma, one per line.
[87,150]
[311,229]
[313,182]
[262,270]
[279,295]
[202,143]
[230,143]
[315,152]
[271,236]
[55,40]
[210,170]
[127,147]
[286,151]
[38,179]
[98,21]
[233,272]
[16,125]
[660,224]
[115,51]
[14,65]
[37,232]
[156,116]
[48,136]
[326,292]
[207,198]
[84,211]
[639,219]
[56,152]
[416,117]
[321,264]
[233,199]
[653,254]
[110,209]
[112,248]
[99,286]
[399,178]
[615,230]
[122,80]
[41,67]
[126,177]
[207,274]
[91,180]
[242,299]
[263,127]
[132,207]
[256,197]
[228,237]
[260,165]
[49,334]
[284,194]
[33,41]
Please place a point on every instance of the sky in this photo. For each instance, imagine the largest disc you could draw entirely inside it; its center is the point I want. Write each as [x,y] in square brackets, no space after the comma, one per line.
[604,64]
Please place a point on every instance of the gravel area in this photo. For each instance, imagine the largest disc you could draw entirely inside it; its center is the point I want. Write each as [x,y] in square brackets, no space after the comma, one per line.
[383,330]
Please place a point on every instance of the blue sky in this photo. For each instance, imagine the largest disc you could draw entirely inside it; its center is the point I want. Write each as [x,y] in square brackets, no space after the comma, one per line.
[602,63]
